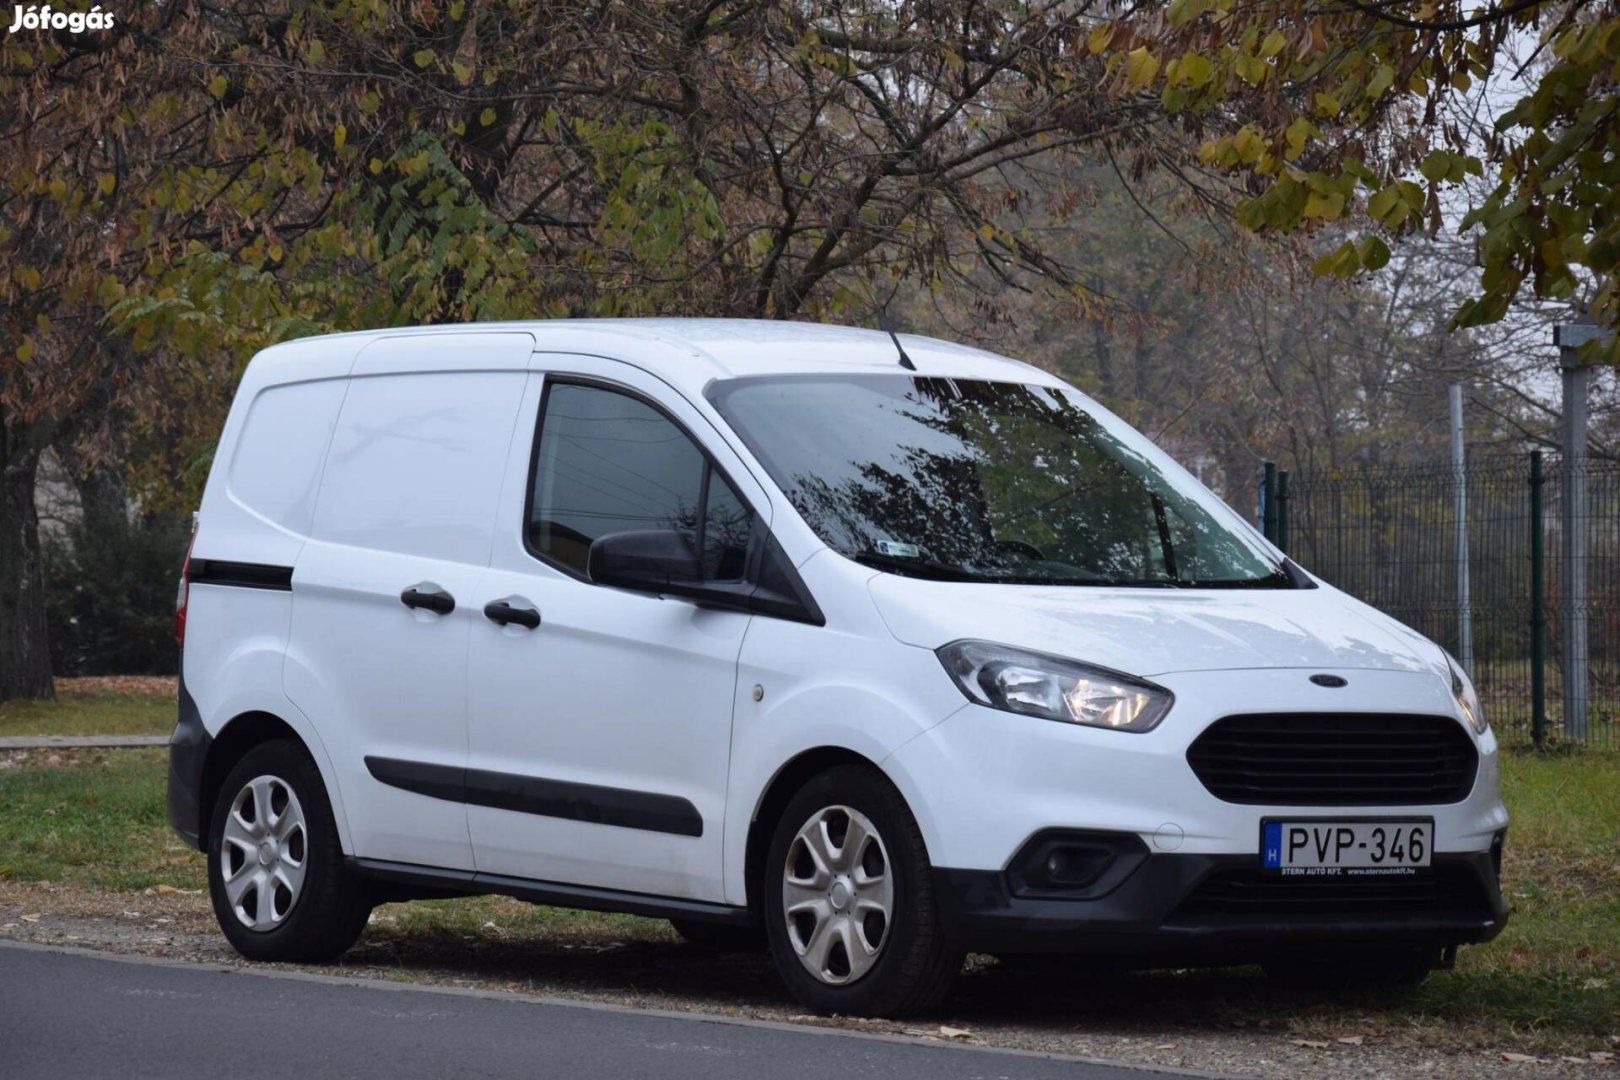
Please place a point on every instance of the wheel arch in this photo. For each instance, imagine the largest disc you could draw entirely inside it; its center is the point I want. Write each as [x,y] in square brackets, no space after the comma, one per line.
[240,735]
[781,787]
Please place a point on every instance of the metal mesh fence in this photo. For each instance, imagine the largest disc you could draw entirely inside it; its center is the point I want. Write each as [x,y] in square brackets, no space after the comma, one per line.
[1389,537]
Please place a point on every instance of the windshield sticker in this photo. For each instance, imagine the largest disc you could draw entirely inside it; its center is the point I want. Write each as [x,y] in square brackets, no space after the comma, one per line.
[899,550]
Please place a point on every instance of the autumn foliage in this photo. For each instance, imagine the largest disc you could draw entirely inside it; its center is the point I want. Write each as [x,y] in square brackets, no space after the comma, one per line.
[201,180]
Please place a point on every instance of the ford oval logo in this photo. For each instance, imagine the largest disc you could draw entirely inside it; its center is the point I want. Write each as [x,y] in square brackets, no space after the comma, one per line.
[1334,681]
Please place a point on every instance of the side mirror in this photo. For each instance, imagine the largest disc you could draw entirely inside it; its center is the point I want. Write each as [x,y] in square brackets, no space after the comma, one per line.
[665,562]
[656,560]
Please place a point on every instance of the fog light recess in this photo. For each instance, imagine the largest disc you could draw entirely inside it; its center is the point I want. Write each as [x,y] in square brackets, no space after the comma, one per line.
[1074,865]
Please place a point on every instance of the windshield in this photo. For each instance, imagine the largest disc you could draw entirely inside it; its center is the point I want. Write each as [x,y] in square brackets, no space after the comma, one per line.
[971,480]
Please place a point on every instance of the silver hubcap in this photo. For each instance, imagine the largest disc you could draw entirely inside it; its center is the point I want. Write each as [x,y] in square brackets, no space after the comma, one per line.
[264,852]
[837,895]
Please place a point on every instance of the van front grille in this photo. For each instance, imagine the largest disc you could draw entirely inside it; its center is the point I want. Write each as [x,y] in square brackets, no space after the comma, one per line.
[1335,759]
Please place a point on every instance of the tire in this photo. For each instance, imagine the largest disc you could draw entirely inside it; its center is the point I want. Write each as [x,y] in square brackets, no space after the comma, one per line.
[261,916]
[1393,970]
[902,964]
[715,937]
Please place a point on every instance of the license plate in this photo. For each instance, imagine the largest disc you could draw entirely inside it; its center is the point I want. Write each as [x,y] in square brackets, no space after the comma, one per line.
[1322,846]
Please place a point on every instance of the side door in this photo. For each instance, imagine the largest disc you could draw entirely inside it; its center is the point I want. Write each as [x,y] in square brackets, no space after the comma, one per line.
[384,589]
[600,736]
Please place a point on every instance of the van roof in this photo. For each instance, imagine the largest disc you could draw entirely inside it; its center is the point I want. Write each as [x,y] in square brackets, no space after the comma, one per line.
[688,352]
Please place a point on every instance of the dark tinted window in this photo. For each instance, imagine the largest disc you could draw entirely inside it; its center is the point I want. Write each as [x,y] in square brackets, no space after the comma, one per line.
[987,481]
[609,463]
[726,527]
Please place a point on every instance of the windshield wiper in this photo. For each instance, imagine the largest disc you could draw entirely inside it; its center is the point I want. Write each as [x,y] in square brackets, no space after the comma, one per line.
[922,568]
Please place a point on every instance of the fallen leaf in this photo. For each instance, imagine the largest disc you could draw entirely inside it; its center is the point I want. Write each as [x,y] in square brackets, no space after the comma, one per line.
[1601,1057]
[1352,1040]
[955,1033]
[167,890]
[31,918]
[1519,1059]
[1311,1044]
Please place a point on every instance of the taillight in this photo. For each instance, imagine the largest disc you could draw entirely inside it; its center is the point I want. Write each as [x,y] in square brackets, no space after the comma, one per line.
[183,596]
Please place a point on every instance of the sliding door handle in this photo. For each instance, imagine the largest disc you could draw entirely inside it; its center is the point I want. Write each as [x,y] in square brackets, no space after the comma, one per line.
[502,613]
[431,597]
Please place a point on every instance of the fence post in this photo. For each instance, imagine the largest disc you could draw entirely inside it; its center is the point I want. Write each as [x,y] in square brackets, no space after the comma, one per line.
[1538,607]
[1459,509]
[1569,338]
[1268,502]
[1282,510]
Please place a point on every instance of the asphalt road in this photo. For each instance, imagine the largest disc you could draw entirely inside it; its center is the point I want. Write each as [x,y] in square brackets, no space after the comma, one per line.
[85,1016]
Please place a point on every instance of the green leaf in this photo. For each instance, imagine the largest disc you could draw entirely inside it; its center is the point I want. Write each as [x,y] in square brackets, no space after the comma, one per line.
[218,85]
[423,57]
[1436,166]
[1385,204]
[1382,80]
[1141,68]
[1342,261]
[1374,253]
[1182,12]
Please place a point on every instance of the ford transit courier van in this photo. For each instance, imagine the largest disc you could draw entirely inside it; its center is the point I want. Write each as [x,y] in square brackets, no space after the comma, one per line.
[787,635]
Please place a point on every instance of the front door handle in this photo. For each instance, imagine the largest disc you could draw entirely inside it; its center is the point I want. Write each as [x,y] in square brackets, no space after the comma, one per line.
[499,611]
[423,595]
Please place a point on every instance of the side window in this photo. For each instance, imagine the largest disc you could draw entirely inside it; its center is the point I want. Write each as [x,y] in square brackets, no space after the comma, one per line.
[727,524]
[416,463]
[608,462]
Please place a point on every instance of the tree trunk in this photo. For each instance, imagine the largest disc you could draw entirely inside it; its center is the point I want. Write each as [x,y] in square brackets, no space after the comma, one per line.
[25,656]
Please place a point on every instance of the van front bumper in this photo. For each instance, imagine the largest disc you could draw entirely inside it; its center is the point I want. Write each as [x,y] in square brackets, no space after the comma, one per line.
[1214,909]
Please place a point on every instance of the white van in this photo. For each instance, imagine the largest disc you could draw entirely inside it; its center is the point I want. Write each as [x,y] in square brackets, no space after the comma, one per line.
[882,650]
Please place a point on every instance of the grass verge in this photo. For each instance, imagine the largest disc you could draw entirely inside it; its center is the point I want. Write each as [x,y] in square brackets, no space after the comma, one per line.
[94,707]
[1552,980]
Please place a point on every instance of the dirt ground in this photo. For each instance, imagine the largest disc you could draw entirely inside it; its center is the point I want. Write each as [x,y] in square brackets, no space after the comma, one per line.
[1185,1021]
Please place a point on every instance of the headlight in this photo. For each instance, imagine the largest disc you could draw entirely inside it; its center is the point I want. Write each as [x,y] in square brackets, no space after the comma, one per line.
[1467,698]
[1054,688]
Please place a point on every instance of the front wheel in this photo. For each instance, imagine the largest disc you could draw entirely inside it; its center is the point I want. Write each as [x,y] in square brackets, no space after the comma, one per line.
[849,901]
[276,874]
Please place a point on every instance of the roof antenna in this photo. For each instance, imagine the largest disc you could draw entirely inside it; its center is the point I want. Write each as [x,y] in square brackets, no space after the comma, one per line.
[905,361]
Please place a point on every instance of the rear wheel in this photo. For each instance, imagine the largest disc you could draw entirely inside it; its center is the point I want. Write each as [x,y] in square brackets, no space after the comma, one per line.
[849,901]
[275,867]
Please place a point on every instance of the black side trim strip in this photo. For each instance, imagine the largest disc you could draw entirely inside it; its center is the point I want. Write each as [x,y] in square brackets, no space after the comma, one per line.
[552,893]
[438,781]
[545,798]
[243,575]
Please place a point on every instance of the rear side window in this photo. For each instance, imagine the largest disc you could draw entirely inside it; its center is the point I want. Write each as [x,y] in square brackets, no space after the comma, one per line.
[608,462]
[277,465]
[416,463]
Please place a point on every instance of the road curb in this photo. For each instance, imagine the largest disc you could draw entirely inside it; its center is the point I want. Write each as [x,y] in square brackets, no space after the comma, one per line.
[264,972]
[81,742]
